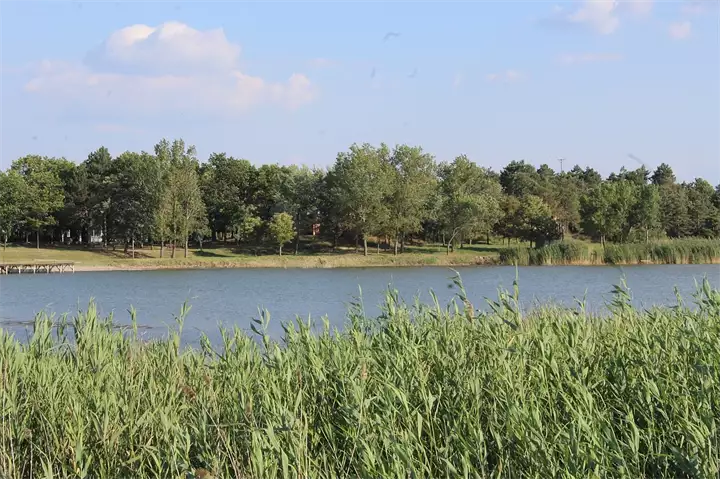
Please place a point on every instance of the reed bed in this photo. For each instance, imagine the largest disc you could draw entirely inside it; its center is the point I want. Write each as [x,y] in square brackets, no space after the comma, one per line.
[559,253]
[421,391]
[685,251]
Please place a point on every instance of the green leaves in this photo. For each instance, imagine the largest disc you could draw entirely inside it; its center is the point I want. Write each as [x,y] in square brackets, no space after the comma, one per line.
[281,229]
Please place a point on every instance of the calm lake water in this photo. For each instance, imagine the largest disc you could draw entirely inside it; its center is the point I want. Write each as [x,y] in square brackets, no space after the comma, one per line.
[233,296]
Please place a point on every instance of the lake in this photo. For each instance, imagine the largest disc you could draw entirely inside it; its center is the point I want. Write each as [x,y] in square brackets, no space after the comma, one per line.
[233,296]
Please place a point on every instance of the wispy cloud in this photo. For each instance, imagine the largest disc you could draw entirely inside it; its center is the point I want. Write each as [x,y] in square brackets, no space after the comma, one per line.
[504,77]
[600,16]
[680,30]
[577,58]
[698,7]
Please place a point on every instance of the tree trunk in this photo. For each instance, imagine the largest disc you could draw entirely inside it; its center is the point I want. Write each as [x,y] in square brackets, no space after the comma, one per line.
[5,243]
[133,247]
[186,246]
[365,245]
[647,235]
[162,246]
[448,248]
[297,243]
[37,239]
[280,250]
[396,246]
[402,243]
[488,238]
[357,243]
[172,251]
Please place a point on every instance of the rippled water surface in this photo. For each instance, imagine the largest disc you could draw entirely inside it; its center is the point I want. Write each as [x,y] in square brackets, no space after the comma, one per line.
[233,296]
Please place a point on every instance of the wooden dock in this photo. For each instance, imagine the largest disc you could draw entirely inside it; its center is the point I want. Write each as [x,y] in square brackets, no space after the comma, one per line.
[44,267]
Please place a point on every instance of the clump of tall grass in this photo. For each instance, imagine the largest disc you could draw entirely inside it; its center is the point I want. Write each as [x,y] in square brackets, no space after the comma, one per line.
[421,391]
[678,251]
[562,252]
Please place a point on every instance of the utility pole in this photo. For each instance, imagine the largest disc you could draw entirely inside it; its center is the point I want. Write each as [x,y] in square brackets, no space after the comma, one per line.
[561,160]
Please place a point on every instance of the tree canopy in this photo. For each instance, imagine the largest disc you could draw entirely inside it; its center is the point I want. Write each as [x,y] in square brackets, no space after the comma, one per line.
[370,193]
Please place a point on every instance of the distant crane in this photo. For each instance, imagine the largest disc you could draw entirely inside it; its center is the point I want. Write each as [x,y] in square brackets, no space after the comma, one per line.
[561,160]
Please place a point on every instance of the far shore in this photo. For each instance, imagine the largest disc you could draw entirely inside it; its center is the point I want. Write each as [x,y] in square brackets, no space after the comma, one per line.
[224,257]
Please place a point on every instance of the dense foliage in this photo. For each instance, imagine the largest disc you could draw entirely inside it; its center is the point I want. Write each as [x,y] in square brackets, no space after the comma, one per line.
[421,391]
[396,195]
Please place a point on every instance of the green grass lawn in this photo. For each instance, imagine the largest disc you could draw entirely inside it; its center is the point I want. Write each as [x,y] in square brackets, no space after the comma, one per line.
[311,254]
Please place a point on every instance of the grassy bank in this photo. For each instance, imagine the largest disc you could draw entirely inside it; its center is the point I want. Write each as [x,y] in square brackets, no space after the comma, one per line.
[231,257]
[680,251]
[418,392]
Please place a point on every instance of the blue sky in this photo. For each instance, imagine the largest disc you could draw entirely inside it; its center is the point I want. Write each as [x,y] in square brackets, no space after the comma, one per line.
[293,82]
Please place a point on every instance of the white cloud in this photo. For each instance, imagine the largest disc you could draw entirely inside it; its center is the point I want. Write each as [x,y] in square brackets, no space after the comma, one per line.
[576,58]
[168,68]
[172,47]
[680,30]
[504,77]
[600,15]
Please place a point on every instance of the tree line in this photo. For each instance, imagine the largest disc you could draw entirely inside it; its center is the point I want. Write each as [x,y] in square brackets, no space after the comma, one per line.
[393,195]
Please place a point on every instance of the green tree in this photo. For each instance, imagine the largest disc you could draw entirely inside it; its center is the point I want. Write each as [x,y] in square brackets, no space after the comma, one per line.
[281,229]
[14,201]
[510,223]
[228,186]
[182,211]
[414,181]
[674,210]
[361,183]
[519,178]
[44,191]
[605,210]
[470,200]
[248,227]
[536,222]
[100,180]
[564,201]
[301,198]
[663,175]
[136,196]
[702,212]
[646,212]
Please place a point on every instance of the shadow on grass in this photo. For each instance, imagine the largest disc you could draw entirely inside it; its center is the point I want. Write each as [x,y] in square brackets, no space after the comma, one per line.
[205,253]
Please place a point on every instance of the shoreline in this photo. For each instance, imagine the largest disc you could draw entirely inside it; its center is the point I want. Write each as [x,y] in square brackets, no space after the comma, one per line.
[490,261]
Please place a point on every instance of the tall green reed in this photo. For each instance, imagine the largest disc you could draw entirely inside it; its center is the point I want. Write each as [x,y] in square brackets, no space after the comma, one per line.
[420,391]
